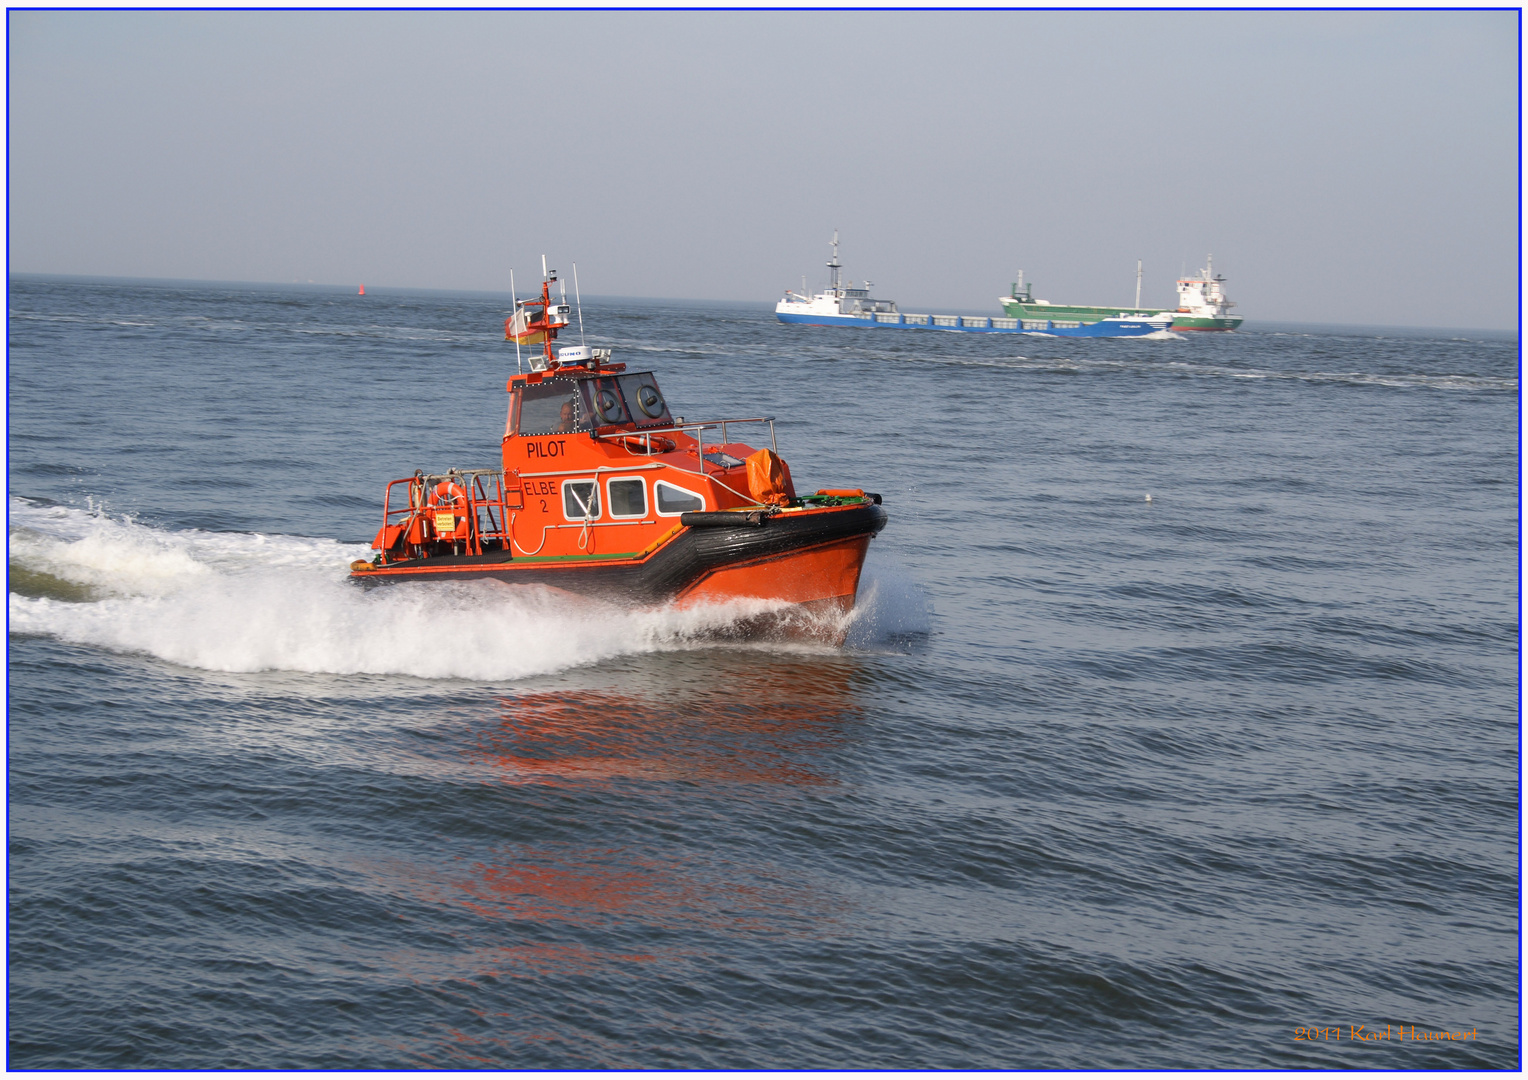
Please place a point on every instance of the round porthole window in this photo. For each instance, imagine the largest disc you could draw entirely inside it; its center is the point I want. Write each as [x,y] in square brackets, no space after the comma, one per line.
[650,401]
[609,404]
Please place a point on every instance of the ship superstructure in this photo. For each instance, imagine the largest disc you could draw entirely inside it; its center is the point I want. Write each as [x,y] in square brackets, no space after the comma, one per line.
[1202,303]
[838,304]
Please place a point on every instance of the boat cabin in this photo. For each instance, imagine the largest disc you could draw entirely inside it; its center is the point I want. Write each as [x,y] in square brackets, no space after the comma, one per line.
[593,464]
[579,397]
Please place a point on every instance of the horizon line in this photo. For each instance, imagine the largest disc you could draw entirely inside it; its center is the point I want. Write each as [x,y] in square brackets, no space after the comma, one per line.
[329,287]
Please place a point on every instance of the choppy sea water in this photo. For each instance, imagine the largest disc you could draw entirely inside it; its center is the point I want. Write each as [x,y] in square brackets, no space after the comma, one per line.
[1096,782]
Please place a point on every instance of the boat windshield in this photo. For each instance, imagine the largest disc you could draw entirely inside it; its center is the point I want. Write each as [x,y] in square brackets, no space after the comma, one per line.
[603,398]
[645,399]
[549,407]
[626,399]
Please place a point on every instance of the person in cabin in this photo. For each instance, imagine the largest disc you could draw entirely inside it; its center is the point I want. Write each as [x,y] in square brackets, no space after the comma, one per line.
[568,418]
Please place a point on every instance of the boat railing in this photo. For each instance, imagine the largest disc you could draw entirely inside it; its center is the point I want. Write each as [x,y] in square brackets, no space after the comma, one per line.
[697,432]
[471,514]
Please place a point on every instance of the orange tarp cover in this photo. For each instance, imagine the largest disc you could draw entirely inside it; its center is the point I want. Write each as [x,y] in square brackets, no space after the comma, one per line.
[769,478]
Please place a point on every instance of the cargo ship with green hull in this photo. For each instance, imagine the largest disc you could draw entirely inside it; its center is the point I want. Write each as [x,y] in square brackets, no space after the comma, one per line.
[1202,304]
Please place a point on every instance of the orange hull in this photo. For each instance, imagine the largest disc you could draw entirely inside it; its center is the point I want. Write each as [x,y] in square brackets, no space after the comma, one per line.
[828,574]
[805,560]
[819,583]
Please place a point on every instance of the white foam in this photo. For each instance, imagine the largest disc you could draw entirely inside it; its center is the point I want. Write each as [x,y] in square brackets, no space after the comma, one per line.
[243,602]
[118,556]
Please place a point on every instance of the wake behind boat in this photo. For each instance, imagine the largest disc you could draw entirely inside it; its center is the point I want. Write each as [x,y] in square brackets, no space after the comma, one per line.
[844,305]
[601,491]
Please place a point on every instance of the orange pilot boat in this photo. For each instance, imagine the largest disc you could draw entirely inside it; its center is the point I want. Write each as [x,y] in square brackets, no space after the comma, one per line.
[601,491]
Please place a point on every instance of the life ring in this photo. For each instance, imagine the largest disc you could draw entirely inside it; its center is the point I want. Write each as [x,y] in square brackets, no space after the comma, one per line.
[448,505]
[648,444]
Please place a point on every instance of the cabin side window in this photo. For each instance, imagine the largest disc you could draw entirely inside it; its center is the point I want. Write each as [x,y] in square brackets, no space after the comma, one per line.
[673,501]
[628,497]
[580,499]
[549,407]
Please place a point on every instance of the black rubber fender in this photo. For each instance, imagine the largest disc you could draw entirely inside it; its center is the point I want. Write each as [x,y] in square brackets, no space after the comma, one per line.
[722,519]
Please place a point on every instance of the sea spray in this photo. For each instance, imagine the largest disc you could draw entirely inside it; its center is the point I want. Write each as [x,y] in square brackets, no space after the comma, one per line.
[246,602]
[890,608]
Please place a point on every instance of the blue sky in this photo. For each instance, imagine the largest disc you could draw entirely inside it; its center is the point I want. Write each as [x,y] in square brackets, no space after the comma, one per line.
[1357,167]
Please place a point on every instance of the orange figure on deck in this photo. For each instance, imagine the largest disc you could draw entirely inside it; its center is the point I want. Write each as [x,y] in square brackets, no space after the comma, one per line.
[601,491]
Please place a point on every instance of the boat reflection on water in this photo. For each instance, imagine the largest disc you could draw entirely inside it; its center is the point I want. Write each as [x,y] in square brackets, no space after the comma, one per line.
[597,851]
[746,717]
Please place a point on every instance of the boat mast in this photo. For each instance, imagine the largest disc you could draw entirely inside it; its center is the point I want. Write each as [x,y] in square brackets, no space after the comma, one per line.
[1138,283]
[834,265]
[546,310]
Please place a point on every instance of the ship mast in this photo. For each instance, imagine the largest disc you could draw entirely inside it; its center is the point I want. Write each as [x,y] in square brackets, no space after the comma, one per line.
[546,310]
[1138,283]
[536,320]
[834,265]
